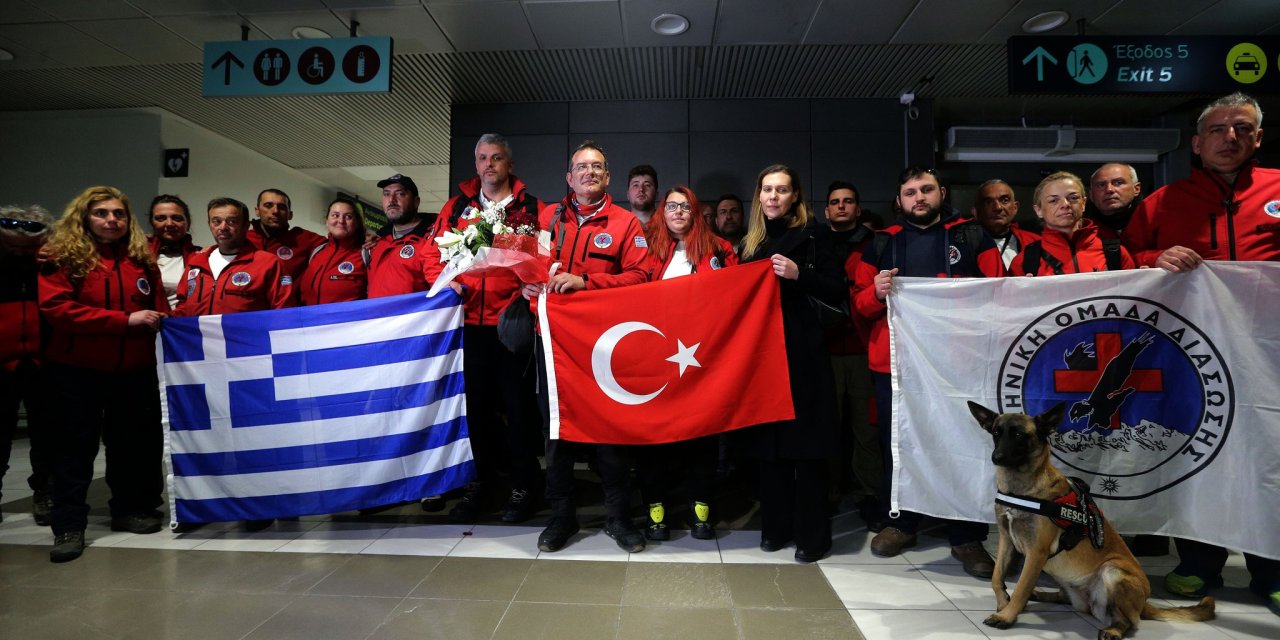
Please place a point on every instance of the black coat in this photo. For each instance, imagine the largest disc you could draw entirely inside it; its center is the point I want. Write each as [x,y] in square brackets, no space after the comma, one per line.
[813,434]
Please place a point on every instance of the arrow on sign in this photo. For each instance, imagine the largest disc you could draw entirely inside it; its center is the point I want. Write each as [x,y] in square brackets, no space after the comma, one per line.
[226,60]
[1039,55]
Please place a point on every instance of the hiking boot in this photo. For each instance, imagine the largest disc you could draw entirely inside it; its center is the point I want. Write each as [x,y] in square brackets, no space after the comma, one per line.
[891,541]
[67,546]
[701,528]
[628,537]
[433,504]
[140,523]
[1191,586]
[657,529]
[977,562]
[519,506]
[557,533]
[468,509]
[41,507]
[769,545]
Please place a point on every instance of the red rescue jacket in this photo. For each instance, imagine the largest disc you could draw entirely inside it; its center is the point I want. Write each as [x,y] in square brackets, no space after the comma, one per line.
[1081,252]
[335,273]
[293,247]
[254,281]
[19,311]
[608,248]
[397,265]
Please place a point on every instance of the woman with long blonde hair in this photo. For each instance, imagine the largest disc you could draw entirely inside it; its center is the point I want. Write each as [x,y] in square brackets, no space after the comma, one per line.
[794,454]
[102,297]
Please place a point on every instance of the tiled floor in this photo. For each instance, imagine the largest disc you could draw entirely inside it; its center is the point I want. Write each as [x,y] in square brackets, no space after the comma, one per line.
[402,574]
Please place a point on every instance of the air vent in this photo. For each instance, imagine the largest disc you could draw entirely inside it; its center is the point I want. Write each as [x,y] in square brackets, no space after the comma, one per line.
[1038,144]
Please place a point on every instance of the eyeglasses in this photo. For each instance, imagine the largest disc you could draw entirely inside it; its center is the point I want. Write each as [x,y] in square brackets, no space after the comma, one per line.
[673,207]
[594,167]
[30,226]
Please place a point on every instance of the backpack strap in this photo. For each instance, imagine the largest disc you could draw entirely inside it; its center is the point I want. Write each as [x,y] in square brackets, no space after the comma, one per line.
[1111,249]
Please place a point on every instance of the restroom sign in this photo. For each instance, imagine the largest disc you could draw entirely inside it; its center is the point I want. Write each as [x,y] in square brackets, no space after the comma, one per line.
[293,67]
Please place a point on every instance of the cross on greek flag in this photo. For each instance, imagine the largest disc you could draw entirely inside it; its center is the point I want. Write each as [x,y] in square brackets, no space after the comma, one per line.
[314,410]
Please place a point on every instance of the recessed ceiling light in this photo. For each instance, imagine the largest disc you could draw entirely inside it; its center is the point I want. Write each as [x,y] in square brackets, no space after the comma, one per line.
[669,24]
[5,55]
[304,33]
[1047,21]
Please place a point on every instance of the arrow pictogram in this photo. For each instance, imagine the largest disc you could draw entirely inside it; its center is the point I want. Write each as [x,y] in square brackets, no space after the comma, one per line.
[1039,55]
[226,60]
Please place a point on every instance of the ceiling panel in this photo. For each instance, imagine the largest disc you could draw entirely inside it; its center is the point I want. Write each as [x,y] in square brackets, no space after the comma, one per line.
[250,6]
[1011,23]
[638,15]
[764,21]
[88,9]
[142,39]
[201,29]
[504,25]
[575,24]
[63,43]
[182,7]
[857,21]
[1224,18]
[369,4]
[279,26]
[1150,17]
[411,27]
[950,21]
[19,11]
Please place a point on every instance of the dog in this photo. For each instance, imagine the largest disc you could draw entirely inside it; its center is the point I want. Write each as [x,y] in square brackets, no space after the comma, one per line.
[1075,544]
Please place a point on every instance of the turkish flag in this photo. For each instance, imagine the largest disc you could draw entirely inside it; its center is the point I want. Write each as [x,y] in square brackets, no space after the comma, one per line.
[669,360]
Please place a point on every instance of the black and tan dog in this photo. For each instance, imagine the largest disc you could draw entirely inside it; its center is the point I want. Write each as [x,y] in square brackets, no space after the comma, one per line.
[1051,520]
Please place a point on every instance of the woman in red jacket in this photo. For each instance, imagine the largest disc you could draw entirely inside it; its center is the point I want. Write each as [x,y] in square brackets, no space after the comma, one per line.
[171,244]
[681,243]
[102,298]
[337,271]
[1069,242]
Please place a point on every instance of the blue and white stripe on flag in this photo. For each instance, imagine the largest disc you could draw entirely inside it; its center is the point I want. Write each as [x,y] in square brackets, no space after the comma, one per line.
[314,410]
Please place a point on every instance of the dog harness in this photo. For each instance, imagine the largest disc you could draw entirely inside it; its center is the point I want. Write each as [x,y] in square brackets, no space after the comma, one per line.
[1074,512]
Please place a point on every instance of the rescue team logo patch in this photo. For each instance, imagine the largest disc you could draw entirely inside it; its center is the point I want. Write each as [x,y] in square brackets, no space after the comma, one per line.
[345,268]
[715,262]
[602,241]
[1272,208]
[240,278]
[144,287]
[953,254]
[1149,398]
[284,253]
[406,251]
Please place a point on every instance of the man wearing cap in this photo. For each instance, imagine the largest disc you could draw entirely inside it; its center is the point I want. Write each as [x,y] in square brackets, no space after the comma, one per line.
[271,232]
[396,260]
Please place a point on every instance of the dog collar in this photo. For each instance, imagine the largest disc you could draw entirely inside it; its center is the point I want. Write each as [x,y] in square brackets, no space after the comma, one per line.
[1074,512]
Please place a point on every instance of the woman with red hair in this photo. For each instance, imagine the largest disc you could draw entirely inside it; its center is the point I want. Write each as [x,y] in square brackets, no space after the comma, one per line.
[681,243]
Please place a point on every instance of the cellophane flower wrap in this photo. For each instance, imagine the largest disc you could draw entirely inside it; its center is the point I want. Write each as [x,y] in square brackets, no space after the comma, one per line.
[493,238]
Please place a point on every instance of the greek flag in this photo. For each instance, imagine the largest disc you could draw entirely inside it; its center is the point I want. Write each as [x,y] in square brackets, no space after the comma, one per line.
[313,410]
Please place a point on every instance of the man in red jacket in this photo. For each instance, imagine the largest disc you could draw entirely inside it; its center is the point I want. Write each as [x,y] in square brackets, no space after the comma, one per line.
[271,232]
[232,276]
[598,245]
[396,262]
[491,370]
[1227,209]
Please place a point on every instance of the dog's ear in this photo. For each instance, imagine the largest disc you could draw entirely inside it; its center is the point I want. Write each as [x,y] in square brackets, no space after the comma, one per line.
[1047,422]
[986,418]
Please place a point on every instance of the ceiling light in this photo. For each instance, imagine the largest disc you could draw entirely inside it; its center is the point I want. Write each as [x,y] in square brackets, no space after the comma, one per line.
[5,55]
[305,33]
[1047,21]
[669,24]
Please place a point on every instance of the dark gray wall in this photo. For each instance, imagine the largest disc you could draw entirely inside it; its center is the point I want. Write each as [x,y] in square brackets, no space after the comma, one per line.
[714,146]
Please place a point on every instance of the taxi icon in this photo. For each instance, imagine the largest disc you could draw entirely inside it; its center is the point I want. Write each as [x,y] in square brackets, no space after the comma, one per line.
[1246,62]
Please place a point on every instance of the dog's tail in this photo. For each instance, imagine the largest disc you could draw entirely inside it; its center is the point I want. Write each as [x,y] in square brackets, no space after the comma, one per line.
[1194,613]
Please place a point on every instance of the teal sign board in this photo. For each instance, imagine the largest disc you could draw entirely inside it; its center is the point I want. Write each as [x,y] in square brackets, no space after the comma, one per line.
[294,67]
[1144,64]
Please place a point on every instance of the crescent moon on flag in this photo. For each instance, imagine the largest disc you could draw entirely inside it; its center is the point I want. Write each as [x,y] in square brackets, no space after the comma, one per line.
[602,363]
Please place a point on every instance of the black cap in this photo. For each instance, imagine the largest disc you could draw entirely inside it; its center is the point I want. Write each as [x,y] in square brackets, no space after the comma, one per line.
[402,180]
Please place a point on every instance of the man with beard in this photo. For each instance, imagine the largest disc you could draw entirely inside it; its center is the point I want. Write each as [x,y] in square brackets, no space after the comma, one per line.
[995,208]
[271,232]
[396,261]
[642,191]
[729,220]
[1227,209]
[929,241]
[1113,192]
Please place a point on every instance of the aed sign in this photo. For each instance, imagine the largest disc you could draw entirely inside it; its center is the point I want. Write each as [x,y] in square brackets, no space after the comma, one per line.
[1144,64]
[295,67]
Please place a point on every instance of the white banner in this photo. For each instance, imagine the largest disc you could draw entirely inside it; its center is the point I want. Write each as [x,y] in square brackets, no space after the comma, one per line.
[1171,384]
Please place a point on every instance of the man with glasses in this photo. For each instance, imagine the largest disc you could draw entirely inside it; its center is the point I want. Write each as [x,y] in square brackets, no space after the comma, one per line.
[598,245]
[1227,209]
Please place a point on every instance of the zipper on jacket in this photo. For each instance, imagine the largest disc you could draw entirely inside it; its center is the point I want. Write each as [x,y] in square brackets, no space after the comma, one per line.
[1213,229]
[1075,261]
[1231,206]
